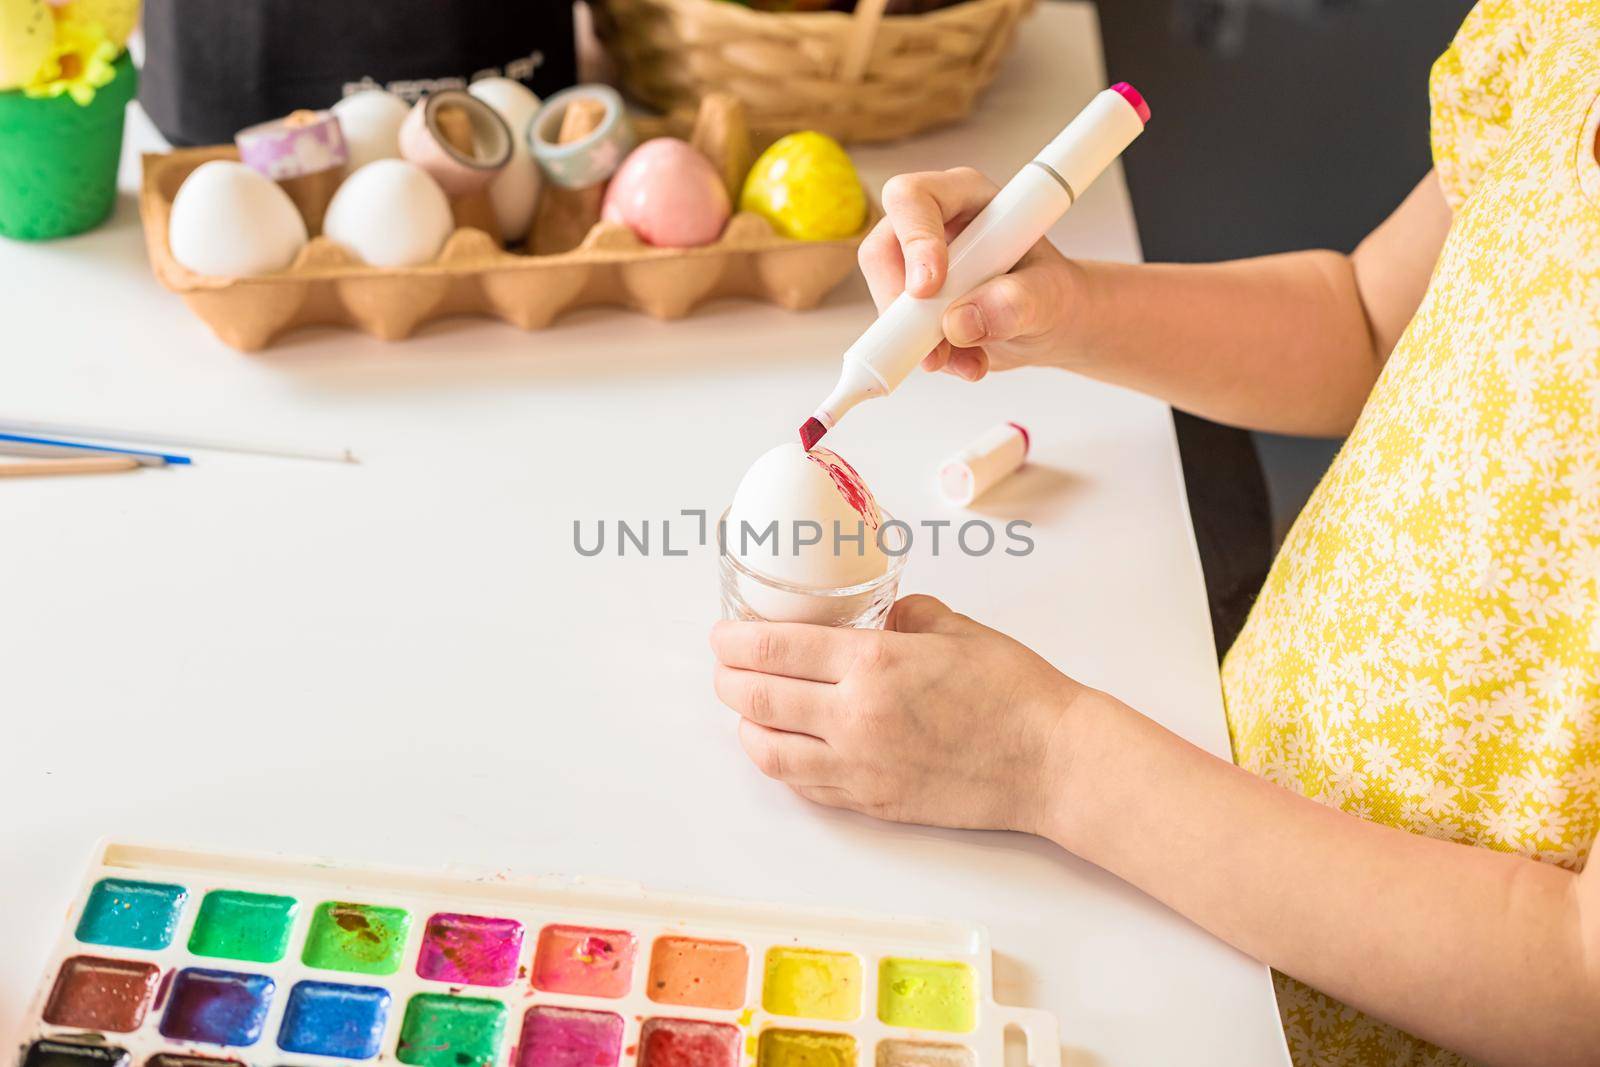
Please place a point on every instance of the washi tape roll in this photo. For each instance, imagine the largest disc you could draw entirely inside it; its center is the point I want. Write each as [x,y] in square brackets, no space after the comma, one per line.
[591,159]
[459,169]
[976,469]
[302,143]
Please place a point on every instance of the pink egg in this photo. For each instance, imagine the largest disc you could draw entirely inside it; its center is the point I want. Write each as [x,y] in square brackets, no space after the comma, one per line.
[669,194]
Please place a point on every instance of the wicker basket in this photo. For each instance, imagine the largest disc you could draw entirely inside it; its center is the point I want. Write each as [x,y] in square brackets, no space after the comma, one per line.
[864,76]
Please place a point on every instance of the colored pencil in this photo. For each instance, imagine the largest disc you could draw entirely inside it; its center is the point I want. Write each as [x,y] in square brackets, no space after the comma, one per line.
[215,444]
[28,448]
[151,459]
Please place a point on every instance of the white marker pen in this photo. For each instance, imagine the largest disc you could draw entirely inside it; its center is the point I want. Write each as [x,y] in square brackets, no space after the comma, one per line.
[1018,216]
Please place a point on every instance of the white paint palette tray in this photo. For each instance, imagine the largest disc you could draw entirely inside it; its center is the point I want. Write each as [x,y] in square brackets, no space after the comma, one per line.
[178,958]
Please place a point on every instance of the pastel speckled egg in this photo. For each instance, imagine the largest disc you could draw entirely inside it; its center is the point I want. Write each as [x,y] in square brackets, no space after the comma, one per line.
[806,186]
[669,194]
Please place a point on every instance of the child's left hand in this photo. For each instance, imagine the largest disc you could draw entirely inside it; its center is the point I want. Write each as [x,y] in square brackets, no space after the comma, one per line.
[935,720]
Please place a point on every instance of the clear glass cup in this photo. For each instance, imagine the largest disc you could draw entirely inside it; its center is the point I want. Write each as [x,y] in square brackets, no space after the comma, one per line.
[751,596]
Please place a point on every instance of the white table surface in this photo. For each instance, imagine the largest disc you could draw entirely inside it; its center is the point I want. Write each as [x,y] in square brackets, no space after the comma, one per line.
[405,661]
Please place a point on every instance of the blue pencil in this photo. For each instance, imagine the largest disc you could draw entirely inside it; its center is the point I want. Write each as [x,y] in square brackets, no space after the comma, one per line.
[59,443]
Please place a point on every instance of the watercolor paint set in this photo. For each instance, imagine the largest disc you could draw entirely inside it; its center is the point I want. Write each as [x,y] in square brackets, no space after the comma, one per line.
[178,958]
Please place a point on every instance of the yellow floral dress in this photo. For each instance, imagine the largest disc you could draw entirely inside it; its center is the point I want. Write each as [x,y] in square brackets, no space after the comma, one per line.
[1426,650]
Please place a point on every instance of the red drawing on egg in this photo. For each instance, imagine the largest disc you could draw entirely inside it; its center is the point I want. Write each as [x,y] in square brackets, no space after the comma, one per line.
[849,484]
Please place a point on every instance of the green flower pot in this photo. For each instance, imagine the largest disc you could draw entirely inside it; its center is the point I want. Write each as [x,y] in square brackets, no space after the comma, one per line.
[58,161]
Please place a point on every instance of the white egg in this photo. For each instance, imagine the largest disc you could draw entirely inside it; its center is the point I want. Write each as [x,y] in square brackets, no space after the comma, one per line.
[370,121]
[390,213]
[229,221]
[805,494]
[515,190]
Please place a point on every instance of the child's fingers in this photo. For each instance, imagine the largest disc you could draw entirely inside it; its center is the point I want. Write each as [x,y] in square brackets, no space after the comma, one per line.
[789,704]
[920,613]
[794,759]
[1023,303]
[792,649]
[882,264]
[918,206]
[828,795]
[969,364]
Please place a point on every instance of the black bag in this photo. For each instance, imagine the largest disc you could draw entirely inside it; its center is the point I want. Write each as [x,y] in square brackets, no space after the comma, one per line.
[213,67]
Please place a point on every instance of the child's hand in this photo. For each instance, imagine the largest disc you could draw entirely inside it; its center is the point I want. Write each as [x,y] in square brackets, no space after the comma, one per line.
[1017,319]
[936,720]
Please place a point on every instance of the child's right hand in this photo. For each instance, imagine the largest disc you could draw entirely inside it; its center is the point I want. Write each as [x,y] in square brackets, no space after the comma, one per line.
[1018,319]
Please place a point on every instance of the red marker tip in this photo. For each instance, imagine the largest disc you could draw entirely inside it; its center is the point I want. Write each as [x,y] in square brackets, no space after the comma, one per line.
[811,433]
[1135,99]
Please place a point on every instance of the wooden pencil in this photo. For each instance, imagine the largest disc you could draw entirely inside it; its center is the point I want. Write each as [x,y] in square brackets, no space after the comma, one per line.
[86,465]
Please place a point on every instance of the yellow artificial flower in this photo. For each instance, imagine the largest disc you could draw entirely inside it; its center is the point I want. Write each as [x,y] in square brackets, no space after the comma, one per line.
[80,63]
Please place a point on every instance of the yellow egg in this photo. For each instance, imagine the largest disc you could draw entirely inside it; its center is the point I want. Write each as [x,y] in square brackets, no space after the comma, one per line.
[27,34]
[806,186]
[116,17]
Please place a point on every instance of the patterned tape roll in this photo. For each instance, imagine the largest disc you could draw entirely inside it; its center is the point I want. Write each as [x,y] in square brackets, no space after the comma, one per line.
[305,142]
[592,158]
[458,172]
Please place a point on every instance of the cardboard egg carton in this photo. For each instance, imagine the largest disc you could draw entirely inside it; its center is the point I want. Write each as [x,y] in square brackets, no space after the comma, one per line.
[474,275]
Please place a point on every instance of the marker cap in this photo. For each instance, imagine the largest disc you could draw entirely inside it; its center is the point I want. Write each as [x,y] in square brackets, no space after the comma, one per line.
[984,463]
[1109,124]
